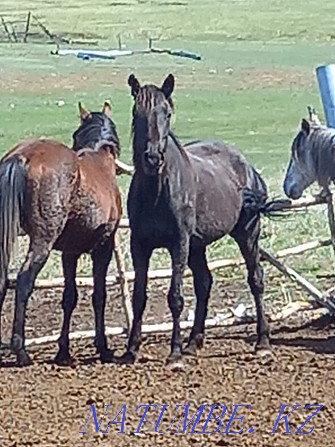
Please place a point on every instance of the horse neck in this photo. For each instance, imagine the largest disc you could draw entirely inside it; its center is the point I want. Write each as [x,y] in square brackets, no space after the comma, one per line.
[322,144]
[176,155]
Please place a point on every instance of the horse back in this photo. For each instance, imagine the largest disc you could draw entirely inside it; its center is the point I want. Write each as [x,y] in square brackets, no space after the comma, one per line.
[222,175]
[47,162]
[97,171]
[43,154]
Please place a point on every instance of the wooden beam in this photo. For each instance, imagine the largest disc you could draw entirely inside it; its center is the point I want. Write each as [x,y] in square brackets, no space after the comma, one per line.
[218,321]
[27,28]
[112,280]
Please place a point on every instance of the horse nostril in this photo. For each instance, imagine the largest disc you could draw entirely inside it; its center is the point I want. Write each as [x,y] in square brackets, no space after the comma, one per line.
[151,159]
[292,192]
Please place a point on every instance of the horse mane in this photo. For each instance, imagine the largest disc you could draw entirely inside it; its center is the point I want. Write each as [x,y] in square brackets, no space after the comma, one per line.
[95,132]
[179,146]
[322,145]
[171,134]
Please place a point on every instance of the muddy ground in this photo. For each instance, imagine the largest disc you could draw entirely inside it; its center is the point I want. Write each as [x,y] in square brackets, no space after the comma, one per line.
[45,405]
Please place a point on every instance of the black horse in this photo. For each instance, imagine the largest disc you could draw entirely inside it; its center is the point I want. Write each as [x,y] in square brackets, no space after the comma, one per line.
[183,199]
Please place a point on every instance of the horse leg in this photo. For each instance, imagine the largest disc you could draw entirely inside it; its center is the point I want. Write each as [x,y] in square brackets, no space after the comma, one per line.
[249,246]
[70,298]
[101,258]
[37,256]
[141,256]
[202,280]
[179,254]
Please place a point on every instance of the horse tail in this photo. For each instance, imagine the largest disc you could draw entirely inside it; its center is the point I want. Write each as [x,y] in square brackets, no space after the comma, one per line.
[12,195]
[255,201]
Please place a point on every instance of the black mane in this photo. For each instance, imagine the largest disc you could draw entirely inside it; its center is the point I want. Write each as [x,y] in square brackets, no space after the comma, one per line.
[96,130]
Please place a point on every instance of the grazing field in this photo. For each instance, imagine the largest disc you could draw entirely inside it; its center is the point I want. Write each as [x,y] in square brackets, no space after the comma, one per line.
[251,89]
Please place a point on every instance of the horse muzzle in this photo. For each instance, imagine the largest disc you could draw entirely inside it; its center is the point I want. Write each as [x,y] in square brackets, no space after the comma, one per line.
[152,163]
[292,191]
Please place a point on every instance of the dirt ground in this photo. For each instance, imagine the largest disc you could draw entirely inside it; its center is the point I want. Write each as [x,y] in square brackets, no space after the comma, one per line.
[46,405]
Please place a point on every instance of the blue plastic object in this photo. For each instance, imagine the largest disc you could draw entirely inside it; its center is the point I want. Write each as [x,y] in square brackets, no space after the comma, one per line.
[326,79]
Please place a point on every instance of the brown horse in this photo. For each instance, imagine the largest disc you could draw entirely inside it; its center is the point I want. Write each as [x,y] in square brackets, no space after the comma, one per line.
[63,200]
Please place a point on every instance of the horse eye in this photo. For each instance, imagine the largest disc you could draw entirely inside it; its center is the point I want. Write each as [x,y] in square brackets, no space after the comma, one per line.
[169,115]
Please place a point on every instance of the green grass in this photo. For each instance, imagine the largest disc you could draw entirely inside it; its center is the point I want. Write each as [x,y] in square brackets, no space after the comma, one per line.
[208,21]
[251,89]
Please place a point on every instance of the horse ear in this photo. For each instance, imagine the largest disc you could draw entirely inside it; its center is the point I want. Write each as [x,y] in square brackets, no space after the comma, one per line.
[134,85]
[310,112]
[107,109]
[305,126]
[313,117]
[84,113]
[168,86]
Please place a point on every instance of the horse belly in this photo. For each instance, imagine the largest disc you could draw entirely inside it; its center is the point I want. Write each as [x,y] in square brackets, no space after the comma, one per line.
[78,237]
[217,215]
[90,223]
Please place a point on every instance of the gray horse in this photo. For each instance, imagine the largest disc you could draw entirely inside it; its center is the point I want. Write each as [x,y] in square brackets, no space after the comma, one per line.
[312,157]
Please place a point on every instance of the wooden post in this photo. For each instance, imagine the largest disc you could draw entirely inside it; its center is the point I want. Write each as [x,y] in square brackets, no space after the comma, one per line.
[14,33]
[45,29]
[126,300]
[331,219]
[6,29]
[27,28]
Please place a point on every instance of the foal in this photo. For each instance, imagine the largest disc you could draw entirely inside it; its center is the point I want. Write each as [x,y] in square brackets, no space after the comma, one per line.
[183,199]
[67,201]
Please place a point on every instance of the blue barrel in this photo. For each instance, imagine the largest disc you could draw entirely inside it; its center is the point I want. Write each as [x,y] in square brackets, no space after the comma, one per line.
[326,79]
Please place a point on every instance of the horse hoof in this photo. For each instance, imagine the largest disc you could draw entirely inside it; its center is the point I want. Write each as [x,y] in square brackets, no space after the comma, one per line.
[63,359]
[263,350]
[4,347]
[175,363]
[190,350]
[23,359]
[128,358]
[107,356]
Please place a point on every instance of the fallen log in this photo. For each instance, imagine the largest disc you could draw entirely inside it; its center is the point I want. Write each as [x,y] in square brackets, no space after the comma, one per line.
[321,299]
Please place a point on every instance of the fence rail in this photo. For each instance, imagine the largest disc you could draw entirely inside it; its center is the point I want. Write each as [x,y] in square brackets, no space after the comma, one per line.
[123,277]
